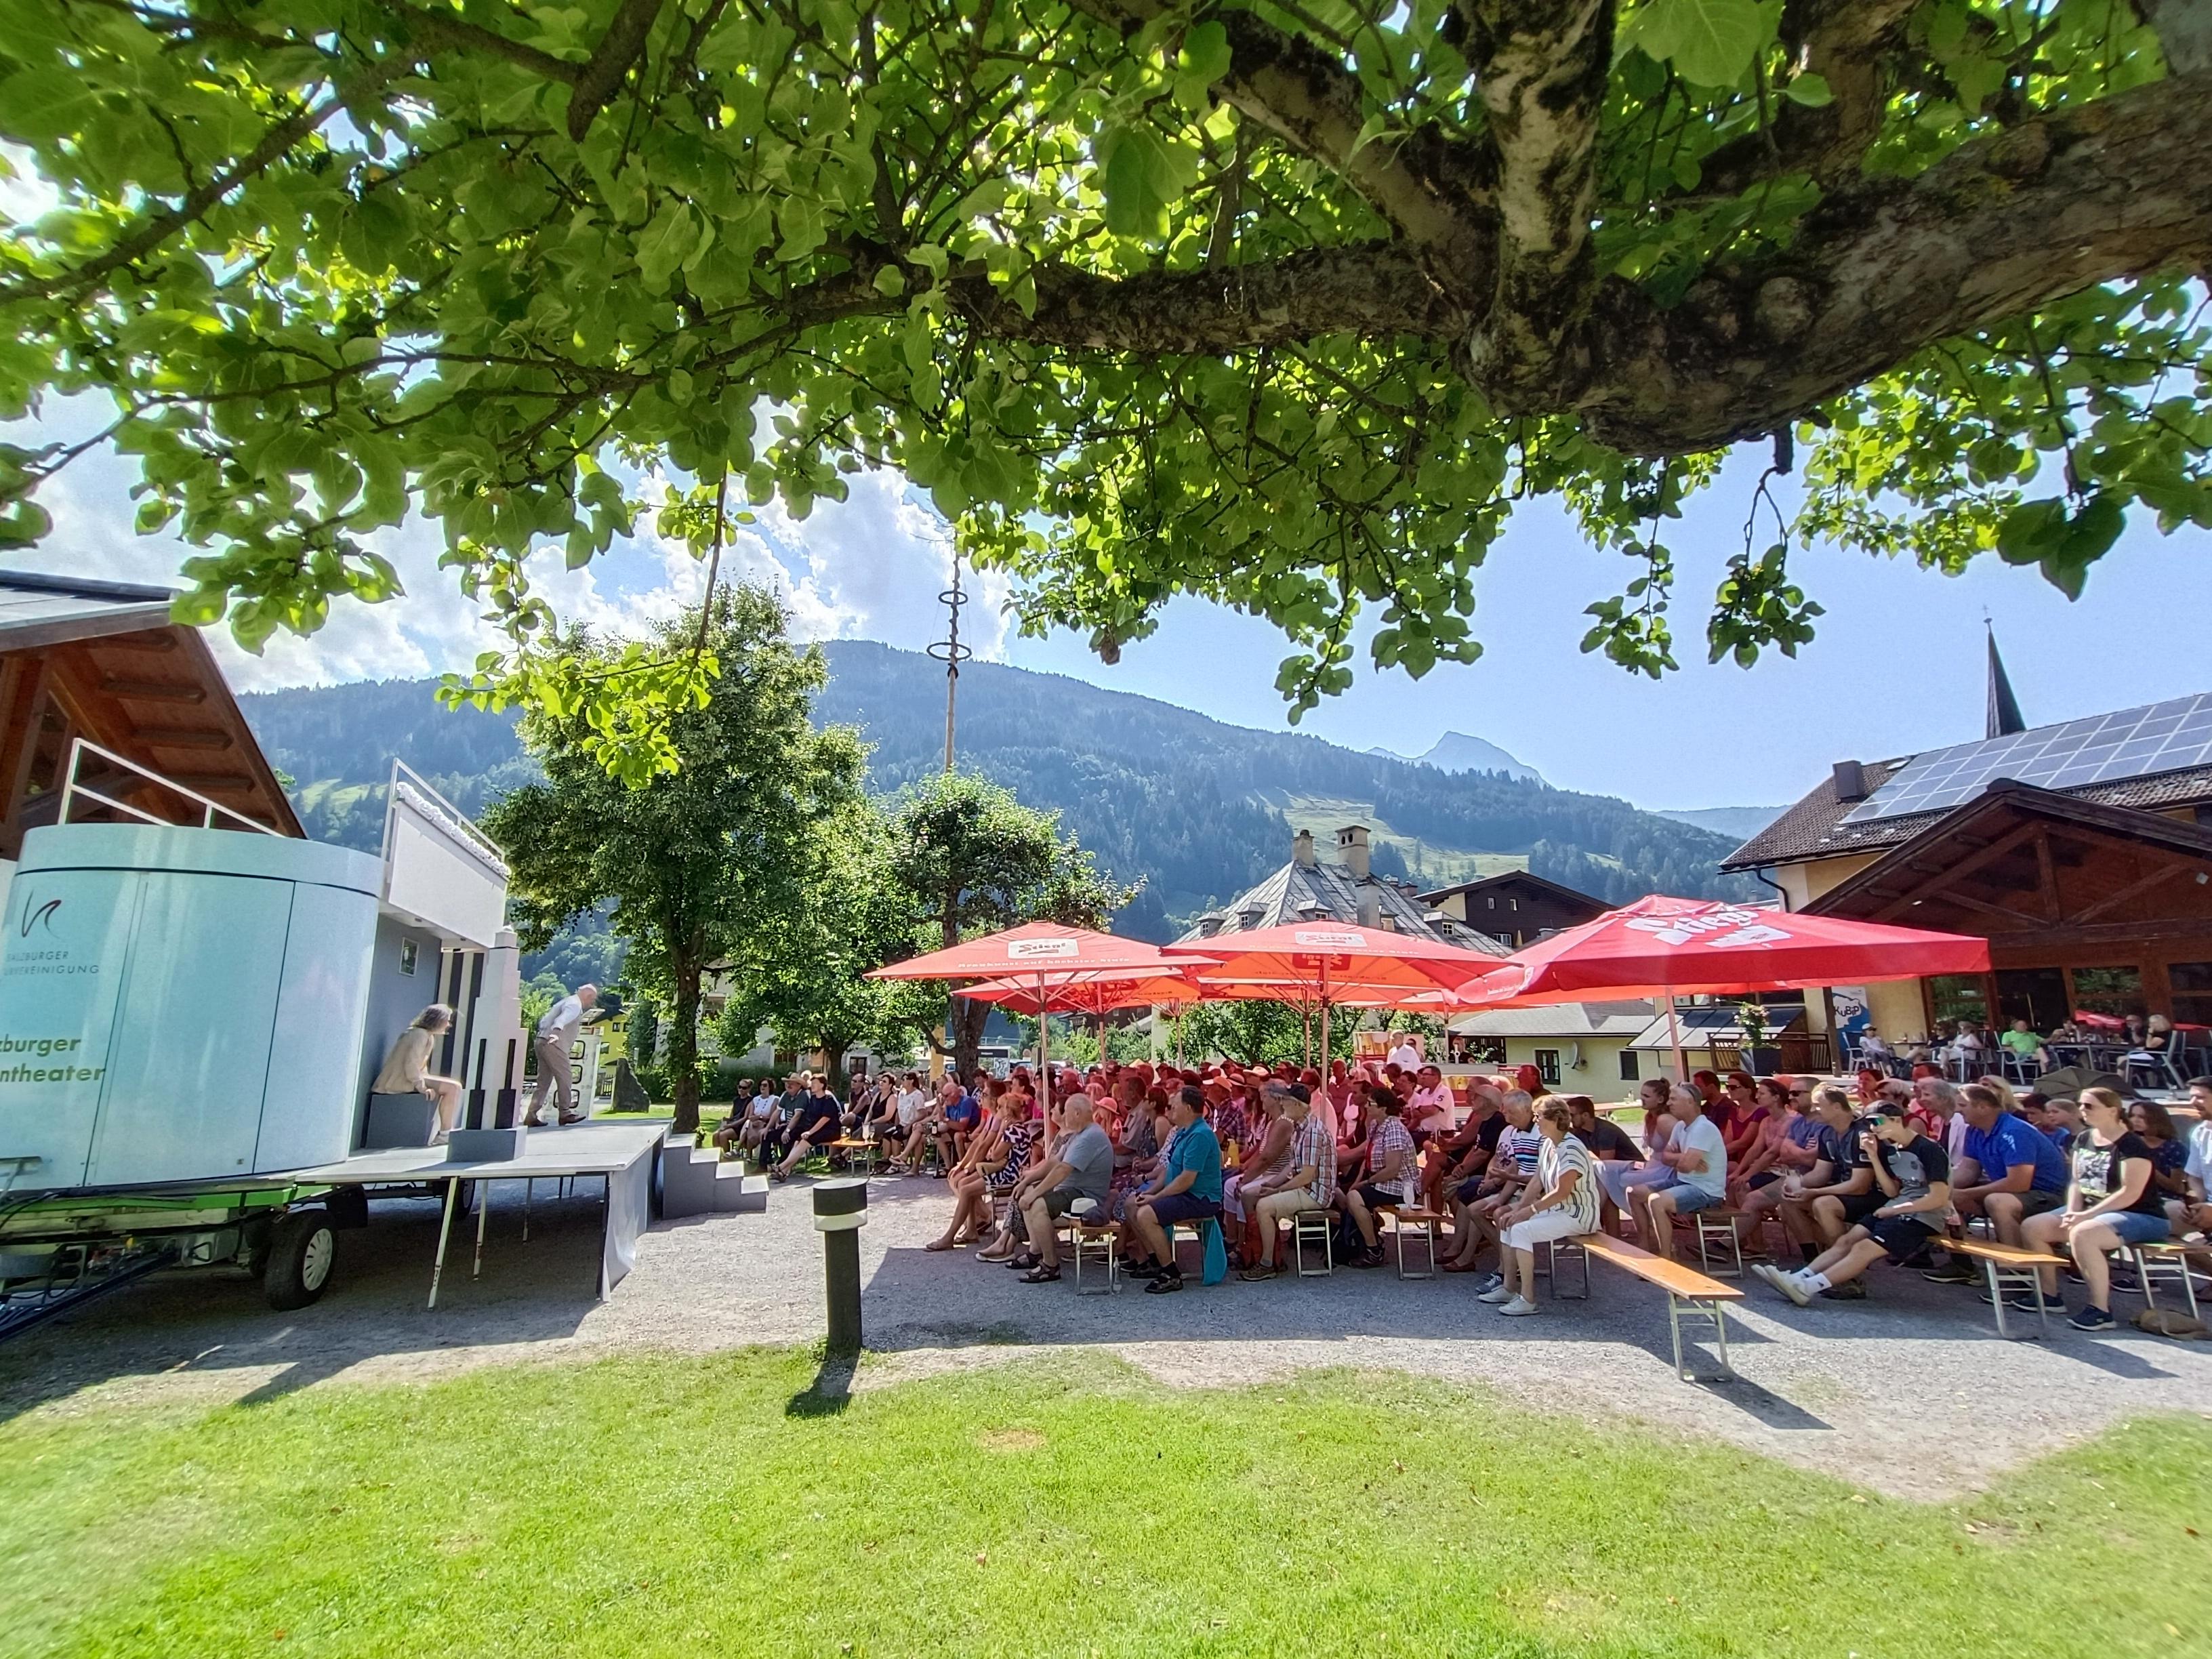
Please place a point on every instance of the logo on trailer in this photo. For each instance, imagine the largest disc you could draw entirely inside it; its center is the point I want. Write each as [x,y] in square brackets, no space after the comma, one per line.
[37,915]
[1031,949]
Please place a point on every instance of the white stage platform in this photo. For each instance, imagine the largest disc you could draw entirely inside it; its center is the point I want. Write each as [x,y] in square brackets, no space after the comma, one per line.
[623,1154]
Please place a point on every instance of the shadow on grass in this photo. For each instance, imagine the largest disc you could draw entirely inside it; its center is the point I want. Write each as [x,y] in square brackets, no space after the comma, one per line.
[830,1391]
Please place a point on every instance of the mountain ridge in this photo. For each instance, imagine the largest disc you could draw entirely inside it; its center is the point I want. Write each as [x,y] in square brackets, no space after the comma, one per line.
[1199,808]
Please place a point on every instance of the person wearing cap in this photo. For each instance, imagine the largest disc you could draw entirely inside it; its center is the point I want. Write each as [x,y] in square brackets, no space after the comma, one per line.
[1308,1181]
[1189,1189]
[1914,1175]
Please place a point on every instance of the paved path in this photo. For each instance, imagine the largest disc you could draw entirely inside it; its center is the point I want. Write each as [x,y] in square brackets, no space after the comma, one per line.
[1818,1385]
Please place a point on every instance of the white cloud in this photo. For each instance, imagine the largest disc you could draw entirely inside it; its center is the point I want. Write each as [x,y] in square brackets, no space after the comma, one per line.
[869,568]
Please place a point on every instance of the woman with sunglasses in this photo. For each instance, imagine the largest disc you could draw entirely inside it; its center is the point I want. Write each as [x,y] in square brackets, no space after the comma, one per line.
[2112,1203]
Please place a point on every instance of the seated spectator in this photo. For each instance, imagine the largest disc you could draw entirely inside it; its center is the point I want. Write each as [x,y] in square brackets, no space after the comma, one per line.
[817,1125]
[1392,1180]
[1262,1166]
[1866,1086]
[1914,1174]
[1787,1144]
[2062,1121]
[1564,1205]
[1046,1138]
[1074,1180]
[1430,1109]
[2011,1170]
[1818,1206]
[2110,1204]
[1605,1140]
[1308,1181]
[1464,1155]
[2022,1042]
[1696,1157]
[751,1122]
[1747,1112]
[2192,1216]
[2169,1152]
[1189,1189]
[1620,1180]
[1935,1113]
[1476,1203]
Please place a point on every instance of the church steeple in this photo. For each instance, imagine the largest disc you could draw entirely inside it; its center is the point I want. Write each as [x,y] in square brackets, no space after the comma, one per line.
[2004,717]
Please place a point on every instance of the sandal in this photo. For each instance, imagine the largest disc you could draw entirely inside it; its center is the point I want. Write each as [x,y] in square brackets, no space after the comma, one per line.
[1041,1274]
[942,1244]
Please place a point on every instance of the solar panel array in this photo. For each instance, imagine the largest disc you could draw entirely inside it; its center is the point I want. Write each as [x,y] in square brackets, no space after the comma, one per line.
[2129,743]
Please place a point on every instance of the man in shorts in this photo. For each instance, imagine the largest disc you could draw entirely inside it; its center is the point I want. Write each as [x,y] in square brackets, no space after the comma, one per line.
[1189,1189]
[1697,1159]
[1838,1191]
[1076,1179]
[1914,1175]
[2011,1170]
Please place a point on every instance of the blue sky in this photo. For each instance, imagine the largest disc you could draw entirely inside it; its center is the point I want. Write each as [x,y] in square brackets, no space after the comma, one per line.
[1898,665]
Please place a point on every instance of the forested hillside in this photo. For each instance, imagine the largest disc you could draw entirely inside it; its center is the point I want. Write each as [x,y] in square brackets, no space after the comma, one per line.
[1196,807]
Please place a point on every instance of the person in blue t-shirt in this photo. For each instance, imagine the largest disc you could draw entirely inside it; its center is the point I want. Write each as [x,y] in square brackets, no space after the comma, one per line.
[1189,1189]
[2009,1169]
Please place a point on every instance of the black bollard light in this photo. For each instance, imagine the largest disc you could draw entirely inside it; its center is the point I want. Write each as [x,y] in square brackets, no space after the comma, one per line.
[840,1212]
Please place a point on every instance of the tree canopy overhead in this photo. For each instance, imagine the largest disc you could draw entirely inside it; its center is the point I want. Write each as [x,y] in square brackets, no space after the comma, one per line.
[1282,303]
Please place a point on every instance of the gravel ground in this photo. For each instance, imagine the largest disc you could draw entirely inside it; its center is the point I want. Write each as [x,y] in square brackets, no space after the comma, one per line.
[1811,1389]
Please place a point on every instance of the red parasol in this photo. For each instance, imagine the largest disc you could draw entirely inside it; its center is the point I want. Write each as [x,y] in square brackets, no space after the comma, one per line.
[1086,993]
[1326,961]
[1666,947]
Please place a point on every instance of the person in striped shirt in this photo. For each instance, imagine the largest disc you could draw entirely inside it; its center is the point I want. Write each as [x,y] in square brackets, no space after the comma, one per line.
[1307,1182]
[1564,1205]
[1512,1166]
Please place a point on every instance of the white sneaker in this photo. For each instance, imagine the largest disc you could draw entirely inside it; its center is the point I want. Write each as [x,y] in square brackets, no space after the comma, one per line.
[1794,1288]
[1498,1298]
[1519,1308]
[1766,1272]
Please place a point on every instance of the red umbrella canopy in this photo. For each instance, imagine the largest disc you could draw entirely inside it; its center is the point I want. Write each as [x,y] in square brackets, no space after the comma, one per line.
[1302,958]
[1712,947]
[1086,993]
[1033,948]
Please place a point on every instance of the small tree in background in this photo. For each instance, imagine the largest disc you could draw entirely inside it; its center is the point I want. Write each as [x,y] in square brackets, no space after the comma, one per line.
[975,860]
[702,865]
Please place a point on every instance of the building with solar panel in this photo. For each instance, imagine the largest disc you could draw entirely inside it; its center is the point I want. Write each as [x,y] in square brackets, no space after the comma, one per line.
[2083,851]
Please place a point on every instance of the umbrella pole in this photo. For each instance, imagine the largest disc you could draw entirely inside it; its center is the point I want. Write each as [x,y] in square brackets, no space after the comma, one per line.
[1324,1017]
[1044,1048]
[1674,1035]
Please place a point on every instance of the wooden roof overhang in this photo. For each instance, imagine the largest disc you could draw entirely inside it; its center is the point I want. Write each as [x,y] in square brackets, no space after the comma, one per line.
[2034,870]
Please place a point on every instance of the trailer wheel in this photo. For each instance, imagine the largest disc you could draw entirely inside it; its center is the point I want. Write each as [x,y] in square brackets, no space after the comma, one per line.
[301,1251]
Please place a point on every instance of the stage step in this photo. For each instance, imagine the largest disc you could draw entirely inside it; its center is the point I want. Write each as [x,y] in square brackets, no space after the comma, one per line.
[695,1180]
[736,1191]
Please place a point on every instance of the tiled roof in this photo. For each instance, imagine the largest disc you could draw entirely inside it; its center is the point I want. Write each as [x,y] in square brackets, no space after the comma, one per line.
[1287,894]
[1814,828]
[1557,1019]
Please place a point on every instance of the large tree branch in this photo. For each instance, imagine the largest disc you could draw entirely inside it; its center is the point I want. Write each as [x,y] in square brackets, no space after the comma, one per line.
[2118,188]
[602,76]
[1376,289]
[1433,188]
[1541,69]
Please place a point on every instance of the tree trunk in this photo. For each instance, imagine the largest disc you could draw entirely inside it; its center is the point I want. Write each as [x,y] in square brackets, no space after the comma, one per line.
[682,1047]
[969,1019]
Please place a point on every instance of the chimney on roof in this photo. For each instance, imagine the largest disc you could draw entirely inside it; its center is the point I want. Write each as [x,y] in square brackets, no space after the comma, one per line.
[1301,851]
[1370,909]
[1352,851]
[1850,780]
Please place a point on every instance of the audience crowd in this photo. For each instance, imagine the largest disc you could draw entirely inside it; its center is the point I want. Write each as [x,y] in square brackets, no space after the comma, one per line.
[1884,1170]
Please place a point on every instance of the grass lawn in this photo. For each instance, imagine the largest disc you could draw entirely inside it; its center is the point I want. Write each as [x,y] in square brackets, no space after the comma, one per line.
[696,1506]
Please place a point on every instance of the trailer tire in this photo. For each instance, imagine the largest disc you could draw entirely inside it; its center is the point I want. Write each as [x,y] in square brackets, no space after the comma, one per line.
[302,1250]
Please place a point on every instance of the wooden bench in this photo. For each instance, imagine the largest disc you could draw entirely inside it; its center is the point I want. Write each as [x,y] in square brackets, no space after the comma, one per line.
[2009,1267]
[861,1154]
[1689,1294]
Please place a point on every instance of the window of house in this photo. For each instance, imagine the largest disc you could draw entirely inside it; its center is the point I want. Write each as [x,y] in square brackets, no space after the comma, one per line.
[1547,1064]
[2192,992]
[2109,990]
[1513,904]
[410,954]
[1629,1067]
[1492,901]
[1479,1051]
[1957,996]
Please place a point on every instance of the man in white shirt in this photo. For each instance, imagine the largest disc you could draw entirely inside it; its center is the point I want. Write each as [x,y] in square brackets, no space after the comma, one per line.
[556,1036]
[1698,1158]
[1404,1054]
[1429,1111]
